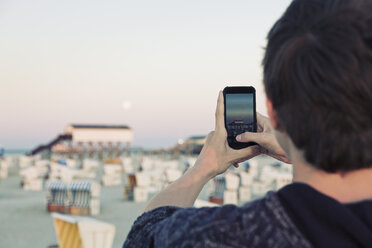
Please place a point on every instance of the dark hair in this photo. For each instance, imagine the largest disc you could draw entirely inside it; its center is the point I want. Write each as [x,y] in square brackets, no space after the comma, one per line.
[318,75]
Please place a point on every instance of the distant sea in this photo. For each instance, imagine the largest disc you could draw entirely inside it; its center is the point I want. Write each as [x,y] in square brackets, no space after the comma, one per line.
[16,151]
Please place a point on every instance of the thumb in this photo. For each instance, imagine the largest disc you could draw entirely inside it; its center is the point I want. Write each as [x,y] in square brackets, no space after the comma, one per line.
[258,138]
[246,153]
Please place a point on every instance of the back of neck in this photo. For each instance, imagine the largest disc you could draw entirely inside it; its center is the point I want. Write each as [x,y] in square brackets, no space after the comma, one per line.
[347,187]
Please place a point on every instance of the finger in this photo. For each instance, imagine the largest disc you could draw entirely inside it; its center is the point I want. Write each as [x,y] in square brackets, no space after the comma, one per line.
[267,144]
[260,116]
[241,160]
[281,157]
[244,154]
[259,138]
[261,121]
[209,137]
[220,123]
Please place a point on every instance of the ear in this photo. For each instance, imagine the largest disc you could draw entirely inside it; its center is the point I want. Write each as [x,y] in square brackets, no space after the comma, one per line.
[272,114]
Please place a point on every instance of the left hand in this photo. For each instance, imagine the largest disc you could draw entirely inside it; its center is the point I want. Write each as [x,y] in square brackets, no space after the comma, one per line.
[217,156]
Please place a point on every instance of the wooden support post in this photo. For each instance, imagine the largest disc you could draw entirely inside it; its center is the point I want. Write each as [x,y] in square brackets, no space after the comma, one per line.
[117,149]
[110,150]
[80,149]
[90,149]
[100,150]
[127,149]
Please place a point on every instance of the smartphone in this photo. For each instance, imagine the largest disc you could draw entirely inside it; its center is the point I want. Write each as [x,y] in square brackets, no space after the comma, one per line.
[240,113]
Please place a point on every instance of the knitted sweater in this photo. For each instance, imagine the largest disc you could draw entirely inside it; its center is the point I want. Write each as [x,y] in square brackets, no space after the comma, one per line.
[295,216]
[261,223]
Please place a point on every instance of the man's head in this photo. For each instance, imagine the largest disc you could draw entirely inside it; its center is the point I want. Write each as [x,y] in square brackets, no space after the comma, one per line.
[318,78]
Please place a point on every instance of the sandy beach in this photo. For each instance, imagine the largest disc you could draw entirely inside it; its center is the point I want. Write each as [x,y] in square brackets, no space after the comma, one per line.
[26,223]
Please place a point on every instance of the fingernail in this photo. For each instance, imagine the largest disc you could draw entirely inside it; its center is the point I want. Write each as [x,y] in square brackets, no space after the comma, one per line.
[239,138]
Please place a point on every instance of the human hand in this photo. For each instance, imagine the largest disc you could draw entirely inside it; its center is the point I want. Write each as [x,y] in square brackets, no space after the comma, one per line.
[217,156]
[265,138]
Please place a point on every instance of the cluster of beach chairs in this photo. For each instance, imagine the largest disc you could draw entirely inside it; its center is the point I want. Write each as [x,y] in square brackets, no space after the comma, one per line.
[153,175]
[72,185]
[34,171]
[252,181]
[5,164]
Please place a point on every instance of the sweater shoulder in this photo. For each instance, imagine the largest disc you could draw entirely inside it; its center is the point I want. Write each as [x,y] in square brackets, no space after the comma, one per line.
[271,223]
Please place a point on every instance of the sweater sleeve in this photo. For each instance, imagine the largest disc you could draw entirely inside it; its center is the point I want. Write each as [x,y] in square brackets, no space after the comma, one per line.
[143,230]
[261,223]
[189,227]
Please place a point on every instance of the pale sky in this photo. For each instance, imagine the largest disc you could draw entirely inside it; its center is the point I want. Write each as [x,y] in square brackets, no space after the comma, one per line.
[76,61]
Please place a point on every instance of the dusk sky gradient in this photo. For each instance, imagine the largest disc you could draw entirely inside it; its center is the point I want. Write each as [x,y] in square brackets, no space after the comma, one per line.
[77,61]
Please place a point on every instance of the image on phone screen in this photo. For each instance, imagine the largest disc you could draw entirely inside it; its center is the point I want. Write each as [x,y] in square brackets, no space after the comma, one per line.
[240,114]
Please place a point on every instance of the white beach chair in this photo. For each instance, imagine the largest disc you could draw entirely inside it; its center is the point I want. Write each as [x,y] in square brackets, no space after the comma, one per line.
[76,232]
[232,181]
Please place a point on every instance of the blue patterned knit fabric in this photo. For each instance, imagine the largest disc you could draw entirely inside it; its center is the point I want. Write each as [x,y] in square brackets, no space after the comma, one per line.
[261,223]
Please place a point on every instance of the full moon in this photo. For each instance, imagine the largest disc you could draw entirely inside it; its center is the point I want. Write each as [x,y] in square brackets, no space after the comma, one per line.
[126,105]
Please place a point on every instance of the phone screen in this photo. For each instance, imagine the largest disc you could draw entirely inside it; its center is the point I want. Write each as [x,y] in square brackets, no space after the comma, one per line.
[239,116]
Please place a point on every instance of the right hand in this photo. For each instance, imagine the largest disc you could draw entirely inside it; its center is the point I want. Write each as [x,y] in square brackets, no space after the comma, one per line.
[265,139]
[217,156]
